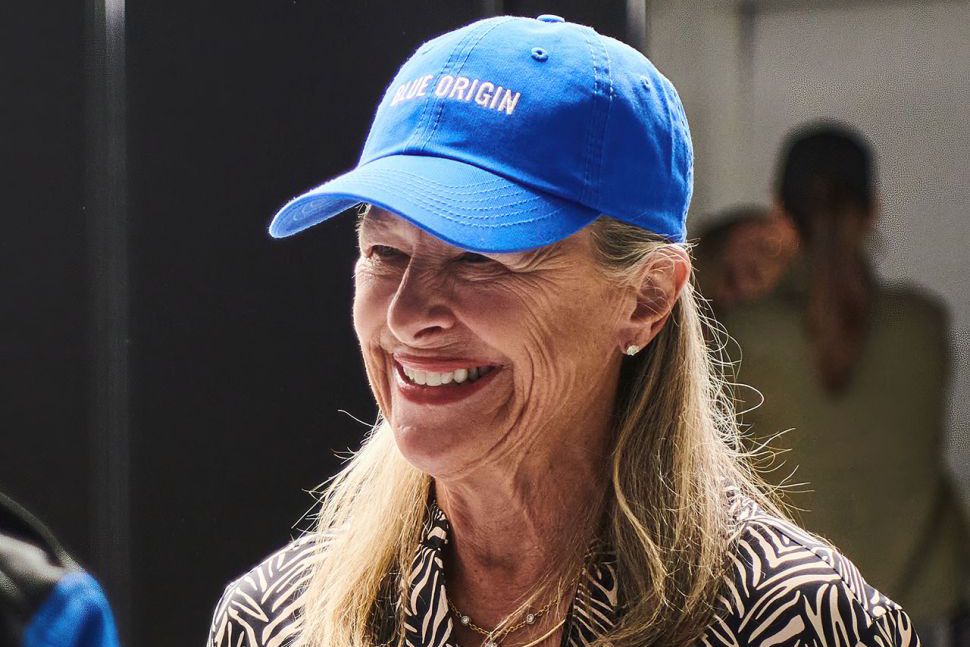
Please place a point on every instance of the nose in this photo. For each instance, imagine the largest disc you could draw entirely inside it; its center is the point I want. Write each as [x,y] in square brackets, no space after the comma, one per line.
[419,311]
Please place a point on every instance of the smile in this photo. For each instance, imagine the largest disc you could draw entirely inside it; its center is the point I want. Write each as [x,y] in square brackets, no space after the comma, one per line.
[430,378]
[424,386]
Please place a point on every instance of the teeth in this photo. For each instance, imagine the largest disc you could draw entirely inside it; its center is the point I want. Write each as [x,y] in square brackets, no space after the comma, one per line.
[428,378]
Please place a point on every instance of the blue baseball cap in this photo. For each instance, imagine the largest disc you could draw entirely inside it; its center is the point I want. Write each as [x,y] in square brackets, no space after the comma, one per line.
[513,133]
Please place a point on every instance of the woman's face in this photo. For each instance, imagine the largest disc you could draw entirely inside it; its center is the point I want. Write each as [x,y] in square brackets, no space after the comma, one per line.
[540,327]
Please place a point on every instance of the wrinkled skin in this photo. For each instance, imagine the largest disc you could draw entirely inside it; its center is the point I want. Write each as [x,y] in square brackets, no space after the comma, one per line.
[513,462]
[540,315]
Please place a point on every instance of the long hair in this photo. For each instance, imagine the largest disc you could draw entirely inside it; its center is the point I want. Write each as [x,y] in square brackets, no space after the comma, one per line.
[675,449]
[825,185]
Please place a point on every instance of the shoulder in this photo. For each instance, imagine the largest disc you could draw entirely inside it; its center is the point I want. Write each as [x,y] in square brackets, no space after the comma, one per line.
[907,305]
[770,324]
[262,607]
[786,586]
[915,299]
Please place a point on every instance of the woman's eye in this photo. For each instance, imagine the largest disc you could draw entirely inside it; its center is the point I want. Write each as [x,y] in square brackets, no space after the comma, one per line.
[472,257]
[386,252]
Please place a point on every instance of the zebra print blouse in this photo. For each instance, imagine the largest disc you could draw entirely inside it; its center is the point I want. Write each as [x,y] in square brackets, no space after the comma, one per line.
[785,588]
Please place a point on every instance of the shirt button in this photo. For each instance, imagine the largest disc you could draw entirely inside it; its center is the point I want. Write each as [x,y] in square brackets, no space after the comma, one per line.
[548,17]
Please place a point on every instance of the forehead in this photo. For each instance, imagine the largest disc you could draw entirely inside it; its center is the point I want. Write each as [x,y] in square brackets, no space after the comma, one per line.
[378,222]
[376,219]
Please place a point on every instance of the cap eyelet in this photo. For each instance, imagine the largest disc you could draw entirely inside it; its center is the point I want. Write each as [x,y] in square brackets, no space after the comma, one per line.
[645,81]
[539,54]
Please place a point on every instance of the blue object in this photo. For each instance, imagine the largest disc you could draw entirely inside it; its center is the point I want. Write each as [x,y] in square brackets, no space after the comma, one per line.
[513,133]
[76,614]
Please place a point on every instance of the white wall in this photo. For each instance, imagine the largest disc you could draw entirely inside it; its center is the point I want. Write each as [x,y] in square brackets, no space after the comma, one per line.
[899,71]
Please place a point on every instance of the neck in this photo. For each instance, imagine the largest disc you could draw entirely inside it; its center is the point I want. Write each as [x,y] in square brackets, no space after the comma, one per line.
[514,526]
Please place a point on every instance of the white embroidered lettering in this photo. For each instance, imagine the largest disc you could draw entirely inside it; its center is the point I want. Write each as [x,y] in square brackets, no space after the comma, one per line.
[412,90]
[424,85]
[471,90]
[459,89]
[444,84]
[496,97]
[508,102]
[483,96]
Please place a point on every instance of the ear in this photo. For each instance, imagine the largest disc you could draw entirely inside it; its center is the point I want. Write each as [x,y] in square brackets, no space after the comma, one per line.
[659,284]
[783,225]
[777,210]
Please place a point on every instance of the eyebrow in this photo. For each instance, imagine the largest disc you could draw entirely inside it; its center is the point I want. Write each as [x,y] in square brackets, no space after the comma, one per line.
[376,214]
[372,220]
[385,222]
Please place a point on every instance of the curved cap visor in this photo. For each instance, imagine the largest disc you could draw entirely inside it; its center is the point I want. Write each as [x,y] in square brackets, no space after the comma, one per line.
[460,203]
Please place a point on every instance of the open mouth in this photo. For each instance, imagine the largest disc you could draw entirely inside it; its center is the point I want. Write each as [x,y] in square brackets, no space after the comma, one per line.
[443,380]
[453,378]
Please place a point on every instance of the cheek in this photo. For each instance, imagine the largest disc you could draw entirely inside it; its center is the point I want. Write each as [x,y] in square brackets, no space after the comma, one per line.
[537,321]
[370,313]
[504,315]
[371,299]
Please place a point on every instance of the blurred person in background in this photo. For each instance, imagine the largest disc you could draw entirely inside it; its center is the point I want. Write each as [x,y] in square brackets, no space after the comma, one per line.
[855,370]
[743,255]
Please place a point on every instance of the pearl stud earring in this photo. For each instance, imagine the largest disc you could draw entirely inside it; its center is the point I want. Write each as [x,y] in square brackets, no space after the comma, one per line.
[632,349]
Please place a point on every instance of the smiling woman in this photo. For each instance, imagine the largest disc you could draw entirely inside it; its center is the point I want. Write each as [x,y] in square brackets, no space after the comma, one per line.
[513,330]
[534,479]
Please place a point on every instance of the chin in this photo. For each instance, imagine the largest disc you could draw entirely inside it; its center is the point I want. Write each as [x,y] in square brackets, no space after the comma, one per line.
[435,452]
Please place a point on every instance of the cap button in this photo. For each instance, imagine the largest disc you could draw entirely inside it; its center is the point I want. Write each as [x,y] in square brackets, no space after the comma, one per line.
[548,17]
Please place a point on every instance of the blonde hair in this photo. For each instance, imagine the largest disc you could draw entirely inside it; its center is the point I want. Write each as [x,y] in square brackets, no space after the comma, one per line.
[676,446]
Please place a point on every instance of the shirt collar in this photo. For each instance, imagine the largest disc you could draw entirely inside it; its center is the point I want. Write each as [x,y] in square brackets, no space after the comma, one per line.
[428,622]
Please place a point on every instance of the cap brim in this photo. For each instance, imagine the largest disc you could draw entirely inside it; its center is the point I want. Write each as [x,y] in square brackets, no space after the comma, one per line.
[459,203]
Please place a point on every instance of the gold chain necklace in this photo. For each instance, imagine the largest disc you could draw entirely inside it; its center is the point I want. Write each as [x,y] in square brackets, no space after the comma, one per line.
[537,640]
[493,639]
